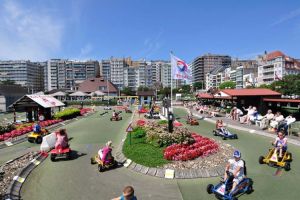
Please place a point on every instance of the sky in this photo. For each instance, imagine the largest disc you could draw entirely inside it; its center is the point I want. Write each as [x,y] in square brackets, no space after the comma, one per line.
[147,29]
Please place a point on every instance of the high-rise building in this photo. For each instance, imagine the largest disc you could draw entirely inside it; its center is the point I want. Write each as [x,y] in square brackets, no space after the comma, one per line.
[24,73]
[105,69]
[67,74]
[117,67]
[215,77]
[274,66]
[204,64]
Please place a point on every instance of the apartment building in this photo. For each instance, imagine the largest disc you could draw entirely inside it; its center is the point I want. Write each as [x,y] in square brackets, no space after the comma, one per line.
[67,74]
[25,73]
[204,64]
[275,65]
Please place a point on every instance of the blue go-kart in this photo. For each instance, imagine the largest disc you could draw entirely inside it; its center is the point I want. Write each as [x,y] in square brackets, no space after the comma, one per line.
[223,189]
[225,134]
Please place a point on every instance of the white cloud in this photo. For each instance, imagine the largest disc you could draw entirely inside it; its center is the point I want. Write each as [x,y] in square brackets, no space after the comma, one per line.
[86,50]
[27,33]
[289,16]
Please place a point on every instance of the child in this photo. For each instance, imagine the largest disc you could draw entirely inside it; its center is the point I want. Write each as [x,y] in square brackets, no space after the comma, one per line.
[128,194]
[105,154]
[280,143]
[220,127]
[61,139]
[36,127]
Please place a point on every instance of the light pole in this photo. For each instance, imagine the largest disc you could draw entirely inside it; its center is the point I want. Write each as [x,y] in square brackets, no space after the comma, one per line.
[107,88]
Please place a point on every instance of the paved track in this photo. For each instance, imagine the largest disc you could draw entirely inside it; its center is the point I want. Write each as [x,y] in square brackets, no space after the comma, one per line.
[77,179]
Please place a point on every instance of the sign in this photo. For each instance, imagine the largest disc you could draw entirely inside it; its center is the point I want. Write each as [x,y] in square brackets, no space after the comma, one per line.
[129,128]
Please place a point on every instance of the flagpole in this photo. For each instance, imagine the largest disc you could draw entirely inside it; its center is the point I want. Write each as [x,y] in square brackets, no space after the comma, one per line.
[171,80]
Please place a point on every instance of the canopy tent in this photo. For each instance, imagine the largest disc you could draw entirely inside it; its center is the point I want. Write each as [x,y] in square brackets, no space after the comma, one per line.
[58,94]
[98,93]
[79,94]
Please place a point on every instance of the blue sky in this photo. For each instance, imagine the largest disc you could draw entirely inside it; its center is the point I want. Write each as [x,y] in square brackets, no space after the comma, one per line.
[150,29]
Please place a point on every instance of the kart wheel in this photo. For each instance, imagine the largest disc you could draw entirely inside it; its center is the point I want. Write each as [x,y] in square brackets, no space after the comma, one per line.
[110,119]
[224,138]
[290,157]
[261,160]
[120,118]
[287,166]
[249,190]
[215,133]
[29,140]
[52,157]
[39,140]
[234,198]
[235,137]
[93,161]
[100,168]
[209,188]
[69,156]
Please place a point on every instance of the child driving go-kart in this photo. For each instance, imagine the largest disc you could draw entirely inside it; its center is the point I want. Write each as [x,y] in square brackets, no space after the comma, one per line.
[280,143]
[115,116]
[223,132]
[61,139]
[104,158]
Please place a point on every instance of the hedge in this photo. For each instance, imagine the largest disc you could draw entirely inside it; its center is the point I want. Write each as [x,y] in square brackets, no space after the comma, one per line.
[112,102]
[67,113]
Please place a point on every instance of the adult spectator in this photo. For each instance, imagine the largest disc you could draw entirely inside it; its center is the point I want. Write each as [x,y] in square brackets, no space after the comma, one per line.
[233,113]
[245,119]
[276,120]
[285,124]
[265,122]
[254,116]
[238,113]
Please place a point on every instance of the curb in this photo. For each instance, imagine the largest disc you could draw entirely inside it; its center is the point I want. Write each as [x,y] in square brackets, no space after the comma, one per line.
[14,189]
[167,173]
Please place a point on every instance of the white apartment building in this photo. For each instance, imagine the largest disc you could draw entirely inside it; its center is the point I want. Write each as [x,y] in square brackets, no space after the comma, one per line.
[274,66]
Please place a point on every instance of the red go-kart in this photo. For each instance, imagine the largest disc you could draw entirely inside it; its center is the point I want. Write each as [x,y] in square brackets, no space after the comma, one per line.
[116,118]
[61,153]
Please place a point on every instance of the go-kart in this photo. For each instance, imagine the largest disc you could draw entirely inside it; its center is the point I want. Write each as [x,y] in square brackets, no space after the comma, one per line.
[192,122]
[225,134]
[223,189]
[116,118]
[107,108]
[273,159]
[128,111]
[35,137]
[101,165]
[61,153]
[154,116]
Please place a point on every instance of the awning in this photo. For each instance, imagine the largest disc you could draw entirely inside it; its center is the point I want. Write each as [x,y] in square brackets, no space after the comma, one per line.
[58,94]
[98,93]
[79,94]
[28,101]
[282,100]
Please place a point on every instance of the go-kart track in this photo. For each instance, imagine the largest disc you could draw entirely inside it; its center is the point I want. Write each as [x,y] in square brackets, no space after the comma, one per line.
[78,179]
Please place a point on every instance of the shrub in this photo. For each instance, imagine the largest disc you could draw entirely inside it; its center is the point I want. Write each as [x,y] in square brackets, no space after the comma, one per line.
[68,113]
[6,128]
[163,122]
[138,132]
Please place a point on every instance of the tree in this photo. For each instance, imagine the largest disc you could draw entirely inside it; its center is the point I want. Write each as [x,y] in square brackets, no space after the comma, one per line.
[198,85]
[143,88]
[289,85]
[128,91]
[227,84]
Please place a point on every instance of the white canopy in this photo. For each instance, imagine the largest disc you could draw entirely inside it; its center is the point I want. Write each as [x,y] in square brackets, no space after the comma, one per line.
[59,93]
[98,93]
[79,94]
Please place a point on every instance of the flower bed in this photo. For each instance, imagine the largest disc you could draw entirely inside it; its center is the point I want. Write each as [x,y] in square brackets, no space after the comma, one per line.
[21,129]
[201,147]
[85,110]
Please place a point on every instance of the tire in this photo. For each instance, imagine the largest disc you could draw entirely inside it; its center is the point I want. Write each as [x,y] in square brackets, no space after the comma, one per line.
[100,168]
[287,166]
[234,198]
[110,119]
[235,137]
[209,188]
[29,140]
[52,157]
[291,157]
[249,190]
[39,140]
[93,161]
[69,155]
[224,138]
[261,160]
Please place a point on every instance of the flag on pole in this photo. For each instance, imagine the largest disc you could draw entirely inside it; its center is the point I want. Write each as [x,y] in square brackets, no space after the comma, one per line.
[277,77]
[180,70]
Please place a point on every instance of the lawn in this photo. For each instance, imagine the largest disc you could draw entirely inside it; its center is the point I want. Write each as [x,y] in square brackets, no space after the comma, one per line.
[143,153]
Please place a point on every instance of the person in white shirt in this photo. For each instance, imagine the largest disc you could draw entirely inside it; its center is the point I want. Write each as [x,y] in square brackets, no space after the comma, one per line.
[245,119]
[266,119]
[236,167]
[285,124]
[276,120]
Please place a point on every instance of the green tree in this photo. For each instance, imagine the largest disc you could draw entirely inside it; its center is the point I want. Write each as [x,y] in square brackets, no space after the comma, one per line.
[227,84]
[198,85]
[143,88]
[289,85]
[128,91]
[265,86]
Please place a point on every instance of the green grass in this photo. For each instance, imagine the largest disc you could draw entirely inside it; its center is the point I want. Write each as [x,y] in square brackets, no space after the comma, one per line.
[143,153]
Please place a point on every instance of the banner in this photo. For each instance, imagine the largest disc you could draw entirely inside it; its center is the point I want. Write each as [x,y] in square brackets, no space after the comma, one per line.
[180,70]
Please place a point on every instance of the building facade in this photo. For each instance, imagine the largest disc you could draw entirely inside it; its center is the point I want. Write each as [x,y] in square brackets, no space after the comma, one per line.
[67,74]
[204,64]
[25,73]
[274,66]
